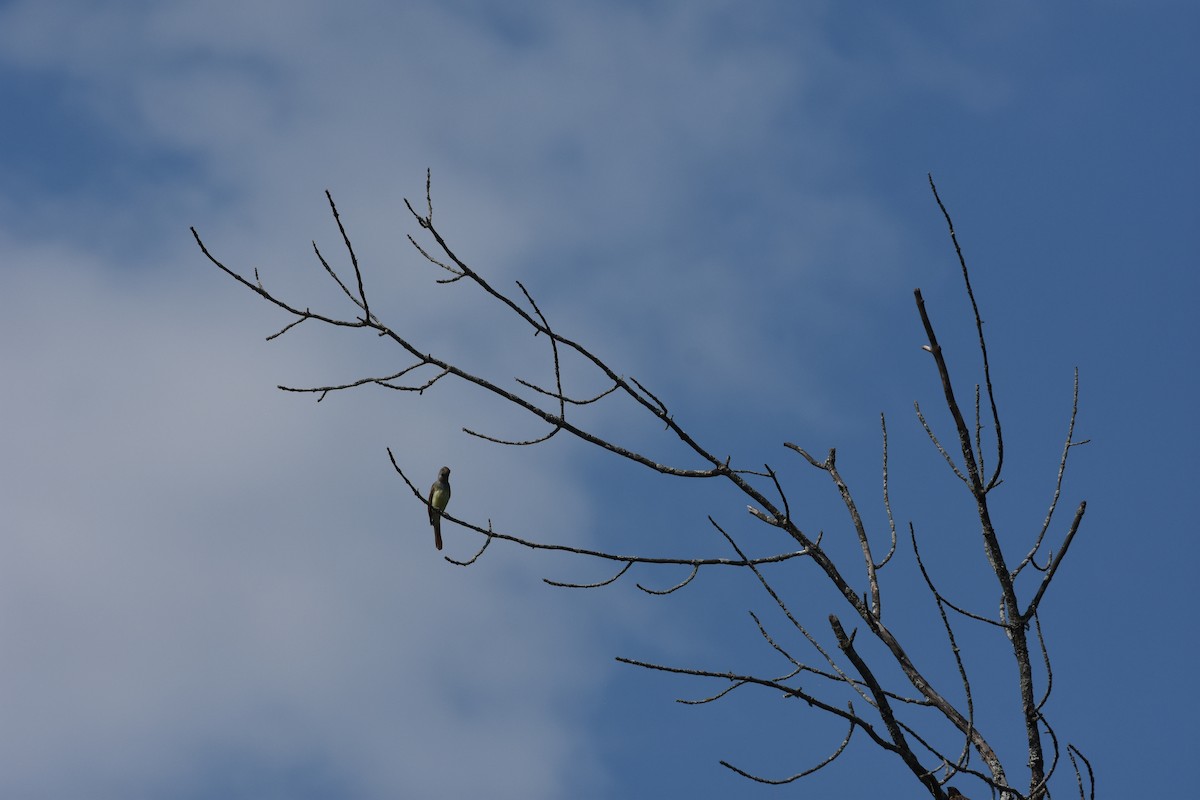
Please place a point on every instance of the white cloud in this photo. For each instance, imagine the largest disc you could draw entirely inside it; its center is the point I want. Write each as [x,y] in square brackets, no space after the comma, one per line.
[196,563]
[199,566]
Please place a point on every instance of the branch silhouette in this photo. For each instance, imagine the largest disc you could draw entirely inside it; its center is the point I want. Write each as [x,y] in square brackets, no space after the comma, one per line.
[869,679]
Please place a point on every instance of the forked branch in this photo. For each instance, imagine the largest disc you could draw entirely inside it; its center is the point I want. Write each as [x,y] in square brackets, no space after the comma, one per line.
[904,712]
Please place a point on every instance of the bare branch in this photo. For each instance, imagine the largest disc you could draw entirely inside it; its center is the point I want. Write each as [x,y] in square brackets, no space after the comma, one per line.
[899,744]
[258,289]
[974,479]
[562,409]
[787,511]
[1090,794]
[452,270]
[385,382]
[979,432]
[818,464]
[775,645]
[564,397]
[942,603]
[780,781]
[933,438]
[659,405]
[941,598]
[1039,788]
[765,517]
[548,404]
[830,466]
[336,279]
[1049,576]
[712,698]
[613,579]
[676,587]
[799,667]
[787,611]
[287,328]
[887,503]
[513,442]
[1037,625]
[732,677]
[987,372]
[487,541]
[1062,470]
[532,545]
[362,295]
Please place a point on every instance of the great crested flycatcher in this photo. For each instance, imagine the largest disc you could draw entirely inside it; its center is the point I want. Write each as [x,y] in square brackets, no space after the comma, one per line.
[439,496]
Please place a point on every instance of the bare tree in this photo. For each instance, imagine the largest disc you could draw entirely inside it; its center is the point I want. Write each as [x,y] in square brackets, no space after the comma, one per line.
[879,691]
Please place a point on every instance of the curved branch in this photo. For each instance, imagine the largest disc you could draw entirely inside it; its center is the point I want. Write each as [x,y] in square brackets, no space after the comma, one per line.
[1072,753]
[562,548]
[487,541]
[710,698]
[513,442]
[611,580]
[1037,626]
[563,397]
[987,372]
[779,782]
[887,502]
[676,587]
[962,669]
[1040,788]
[1062,470]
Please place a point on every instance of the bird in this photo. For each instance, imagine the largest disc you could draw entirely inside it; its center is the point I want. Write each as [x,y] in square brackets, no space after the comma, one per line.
[439,496]
[955,794]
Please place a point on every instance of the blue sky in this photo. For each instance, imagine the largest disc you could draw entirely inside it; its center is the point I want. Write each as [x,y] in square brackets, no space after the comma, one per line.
[209,588]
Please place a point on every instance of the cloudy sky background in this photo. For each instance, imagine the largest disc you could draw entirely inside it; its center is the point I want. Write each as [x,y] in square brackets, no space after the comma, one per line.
[209,588]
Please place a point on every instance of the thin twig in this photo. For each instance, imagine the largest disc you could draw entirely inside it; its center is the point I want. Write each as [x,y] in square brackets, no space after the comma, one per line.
[987,372]
[1062,470]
